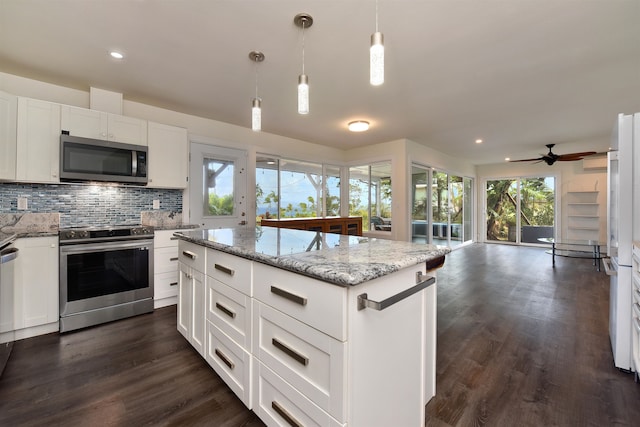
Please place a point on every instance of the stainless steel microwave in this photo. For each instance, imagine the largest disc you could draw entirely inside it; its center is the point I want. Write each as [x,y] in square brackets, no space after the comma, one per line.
[86,159]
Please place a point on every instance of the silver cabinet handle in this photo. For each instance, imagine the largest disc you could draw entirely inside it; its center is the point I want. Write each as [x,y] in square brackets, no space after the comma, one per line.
[285,414]
[173,284]
[303,360]
[225,359]
[288,295]
[363,302]
[189,254]
[173,238]
[225,310]
[224,269]
[173,259]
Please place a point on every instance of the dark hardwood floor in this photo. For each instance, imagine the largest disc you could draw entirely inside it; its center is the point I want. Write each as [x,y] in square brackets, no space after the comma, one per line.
[519,343]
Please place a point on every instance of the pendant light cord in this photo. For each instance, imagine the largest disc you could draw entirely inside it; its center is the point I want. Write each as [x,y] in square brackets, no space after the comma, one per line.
[255,66]
[376,16]
[303,22]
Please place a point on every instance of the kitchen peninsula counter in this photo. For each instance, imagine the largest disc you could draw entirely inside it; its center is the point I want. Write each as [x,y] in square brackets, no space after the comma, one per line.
[311,328]
[333,258]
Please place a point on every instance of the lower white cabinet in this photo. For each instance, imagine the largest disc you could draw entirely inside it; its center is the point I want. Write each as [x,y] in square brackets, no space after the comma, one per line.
[165,268]
[635,309]
[36,308]
[191,297]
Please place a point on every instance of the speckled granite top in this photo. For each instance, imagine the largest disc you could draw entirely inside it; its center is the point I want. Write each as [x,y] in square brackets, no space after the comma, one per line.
[7,238]
[333,258]
[30,224]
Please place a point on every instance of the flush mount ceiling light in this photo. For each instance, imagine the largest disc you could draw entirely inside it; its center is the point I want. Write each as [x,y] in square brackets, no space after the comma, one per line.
[256,103]
[358,126]
[303,20]
[478,141]
[116,54]
[376,56]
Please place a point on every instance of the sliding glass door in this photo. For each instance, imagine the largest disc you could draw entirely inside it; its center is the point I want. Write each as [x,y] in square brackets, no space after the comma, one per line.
[520,210]
[442,212]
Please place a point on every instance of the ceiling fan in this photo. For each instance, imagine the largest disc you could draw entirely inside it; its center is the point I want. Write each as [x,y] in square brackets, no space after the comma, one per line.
[550,158]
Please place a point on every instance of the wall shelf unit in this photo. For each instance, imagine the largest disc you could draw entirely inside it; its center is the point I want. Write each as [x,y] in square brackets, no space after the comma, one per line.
[583,215]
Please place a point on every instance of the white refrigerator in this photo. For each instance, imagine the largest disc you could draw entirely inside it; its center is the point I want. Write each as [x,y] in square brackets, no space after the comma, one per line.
[623,224]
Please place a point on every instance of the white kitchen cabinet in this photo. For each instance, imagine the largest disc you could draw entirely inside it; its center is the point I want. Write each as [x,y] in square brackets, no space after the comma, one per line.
[8,120]
[36,285]
[635,309]
[38,141]
[168,156]
[100,125]
[165,268]
[191,295]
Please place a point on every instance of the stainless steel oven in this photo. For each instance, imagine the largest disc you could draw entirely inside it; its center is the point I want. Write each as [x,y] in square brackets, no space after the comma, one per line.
[105,274]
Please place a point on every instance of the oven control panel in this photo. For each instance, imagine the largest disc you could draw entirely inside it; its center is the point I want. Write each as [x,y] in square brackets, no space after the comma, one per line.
[76,235]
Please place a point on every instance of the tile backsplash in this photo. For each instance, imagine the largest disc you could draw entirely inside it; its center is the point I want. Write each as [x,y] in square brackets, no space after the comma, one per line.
[88,205]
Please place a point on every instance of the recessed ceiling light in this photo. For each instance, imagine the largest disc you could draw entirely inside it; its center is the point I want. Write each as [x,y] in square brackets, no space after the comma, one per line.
[358,126]
[506,159]
[116,55]
[478,141]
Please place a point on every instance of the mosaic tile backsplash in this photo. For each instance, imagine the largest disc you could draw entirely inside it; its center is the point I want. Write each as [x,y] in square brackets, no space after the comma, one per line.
[88,205]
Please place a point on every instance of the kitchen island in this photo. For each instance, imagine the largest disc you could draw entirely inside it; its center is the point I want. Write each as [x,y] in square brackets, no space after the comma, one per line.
[311,328]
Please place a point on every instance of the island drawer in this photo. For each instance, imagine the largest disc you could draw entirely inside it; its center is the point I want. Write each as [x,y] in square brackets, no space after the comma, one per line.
[192,255]
[277,403]
[316,303]
[231,362]
[165,285]
[230,311]
[312,362]
[230,269]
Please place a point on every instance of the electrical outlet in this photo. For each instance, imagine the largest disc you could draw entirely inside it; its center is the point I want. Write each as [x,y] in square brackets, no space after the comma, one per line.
[156,204]
[22,203]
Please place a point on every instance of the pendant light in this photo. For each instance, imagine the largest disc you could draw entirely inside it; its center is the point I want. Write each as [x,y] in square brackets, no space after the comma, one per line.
[256,103]
[376,56]
[303,20]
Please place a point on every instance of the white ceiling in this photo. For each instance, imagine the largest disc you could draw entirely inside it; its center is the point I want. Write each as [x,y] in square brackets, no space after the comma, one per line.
[517,73]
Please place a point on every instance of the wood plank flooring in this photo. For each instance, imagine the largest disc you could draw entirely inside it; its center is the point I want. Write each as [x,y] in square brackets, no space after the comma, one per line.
[519,344]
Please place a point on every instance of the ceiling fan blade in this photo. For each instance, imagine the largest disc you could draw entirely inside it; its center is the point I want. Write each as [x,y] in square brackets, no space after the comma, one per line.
[528,160]
[574,156]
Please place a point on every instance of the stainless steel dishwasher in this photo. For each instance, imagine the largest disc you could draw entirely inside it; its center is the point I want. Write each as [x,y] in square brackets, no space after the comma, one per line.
[8,254]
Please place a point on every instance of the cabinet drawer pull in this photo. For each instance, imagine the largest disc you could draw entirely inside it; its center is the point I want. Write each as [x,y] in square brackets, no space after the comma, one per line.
[285,414]
[363,302]
[173,259]
[173,284]
[189,254]
[291,353]
[225,359]
[225,310]
[224,269]
[173,238]
[288,295]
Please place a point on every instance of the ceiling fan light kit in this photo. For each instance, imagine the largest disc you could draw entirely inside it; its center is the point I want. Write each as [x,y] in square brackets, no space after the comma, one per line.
[550,158]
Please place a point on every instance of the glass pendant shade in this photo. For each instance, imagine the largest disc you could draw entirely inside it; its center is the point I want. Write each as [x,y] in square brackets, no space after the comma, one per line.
[256,115]
[376,59]
[303,94]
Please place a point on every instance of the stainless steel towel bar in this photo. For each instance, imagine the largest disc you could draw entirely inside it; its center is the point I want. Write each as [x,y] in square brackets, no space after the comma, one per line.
[363,302]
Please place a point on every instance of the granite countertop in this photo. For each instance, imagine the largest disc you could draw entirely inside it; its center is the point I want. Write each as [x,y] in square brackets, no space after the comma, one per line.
[175,227]
[338,259]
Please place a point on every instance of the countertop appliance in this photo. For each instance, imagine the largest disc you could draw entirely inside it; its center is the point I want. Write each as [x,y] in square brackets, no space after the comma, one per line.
[86,159]
[106,273]
[623,226]
[8,254]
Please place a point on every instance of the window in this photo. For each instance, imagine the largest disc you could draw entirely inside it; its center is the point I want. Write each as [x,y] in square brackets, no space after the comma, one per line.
[370,195]
[294,189]
[218,187]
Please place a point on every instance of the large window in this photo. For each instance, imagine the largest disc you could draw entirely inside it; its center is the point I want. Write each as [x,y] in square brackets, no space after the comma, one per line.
[520,210]
[370,195]
[294,189]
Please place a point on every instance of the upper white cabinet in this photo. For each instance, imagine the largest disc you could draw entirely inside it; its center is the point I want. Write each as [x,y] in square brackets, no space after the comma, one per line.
[168,156]
[8,112]
[100,125]
[38,141]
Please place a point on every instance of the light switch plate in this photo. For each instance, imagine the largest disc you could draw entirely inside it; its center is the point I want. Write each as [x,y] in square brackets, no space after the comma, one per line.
[22,203]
